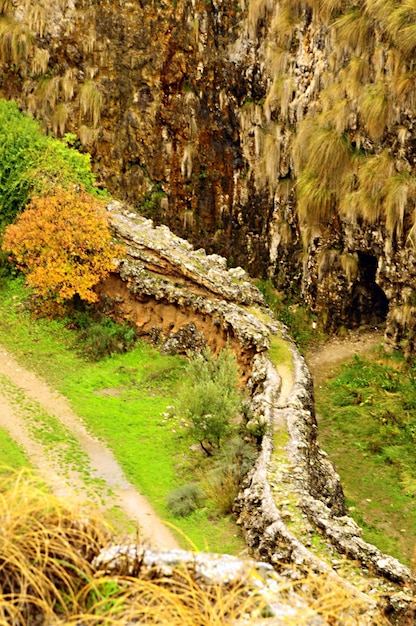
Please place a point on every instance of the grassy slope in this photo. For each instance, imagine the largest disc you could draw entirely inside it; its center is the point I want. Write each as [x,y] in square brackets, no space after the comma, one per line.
[121,400]
[11,454]
[367,419]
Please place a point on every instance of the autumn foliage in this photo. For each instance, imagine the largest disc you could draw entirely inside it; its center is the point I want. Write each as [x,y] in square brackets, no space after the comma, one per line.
[62,243]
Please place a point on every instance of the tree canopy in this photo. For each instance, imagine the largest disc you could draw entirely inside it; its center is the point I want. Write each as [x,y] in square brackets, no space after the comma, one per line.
[62,242]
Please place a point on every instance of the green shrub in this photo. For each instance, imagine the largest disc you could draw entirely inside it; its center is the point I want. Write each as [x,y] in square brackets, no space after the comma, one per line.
[210,400]
[237,454]
[184,500]
[103,337]
[232,463]
[99,336]
[60,165]
[31,162]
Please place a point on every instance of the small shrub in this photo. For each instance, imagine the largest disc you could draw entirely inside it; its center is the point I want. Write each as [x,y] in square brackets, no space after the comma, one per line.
[210,401]
[221,486]
[239,455]
[232,463]
[105,337]
[184,500]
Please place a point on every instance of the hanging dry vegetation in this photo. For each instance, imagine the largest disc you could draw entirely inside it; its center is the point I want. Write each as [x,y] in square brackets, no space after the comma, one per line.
[350,154]
[55,93]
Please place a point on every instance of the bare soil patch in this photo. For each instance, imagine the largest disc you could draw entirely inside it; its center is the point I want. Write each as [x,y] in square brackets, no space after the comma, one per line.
[324,360]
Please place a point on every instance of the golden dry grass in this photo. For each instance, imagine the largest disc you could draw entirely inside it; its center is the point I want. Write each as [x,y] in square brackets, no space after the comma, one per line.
[45,553]
[47,576]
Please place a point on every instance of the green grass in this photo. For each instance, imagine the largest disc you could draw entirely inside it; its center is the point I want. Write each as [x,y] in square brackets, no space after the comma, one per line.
[367,418]
[12,456]
[280,352]
[121,399]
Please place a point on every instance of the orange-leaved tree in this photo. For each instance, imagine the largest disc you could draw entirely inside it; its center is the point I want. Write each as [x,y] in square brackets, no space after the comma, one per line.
[62,242]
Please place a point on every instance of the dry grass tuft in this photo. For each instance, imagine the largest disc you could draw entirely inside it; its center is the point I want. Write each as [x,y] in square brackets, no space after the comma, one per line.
[36,19]
[176,600]
[59,119]
[401,25]
[335,603]
[349,263]
[354,30]
[47,576]
[88,136]
[15,42]
[91,100]
[39,61]
[257,10]
[45,552]
[68,82]
[377,109]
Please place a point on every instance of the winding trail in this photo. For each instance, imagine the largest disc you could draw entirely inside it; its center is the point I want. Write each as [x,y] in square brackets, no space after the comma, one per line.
[24,401]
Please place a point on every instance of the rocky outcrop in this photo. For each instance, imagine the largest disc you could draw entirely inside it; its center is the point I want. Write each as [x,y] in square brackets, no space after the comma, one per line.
[276,604]
[173,293]
[163,286]
[209,118]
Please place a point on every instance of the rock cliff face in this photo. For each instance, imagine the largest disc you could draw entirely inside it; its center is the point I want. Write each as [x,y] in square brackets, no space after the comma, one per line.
[280,134]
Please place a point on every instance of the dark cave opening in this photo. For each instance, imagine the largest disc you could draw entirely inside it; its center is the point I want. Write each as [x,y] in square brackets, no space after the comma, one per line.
[369,304]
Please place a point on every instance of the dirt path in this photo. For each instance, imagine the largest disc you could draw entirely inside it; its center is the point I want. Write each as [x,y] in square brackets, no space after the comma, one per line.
[25,400]
[99,478]
[323,361]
